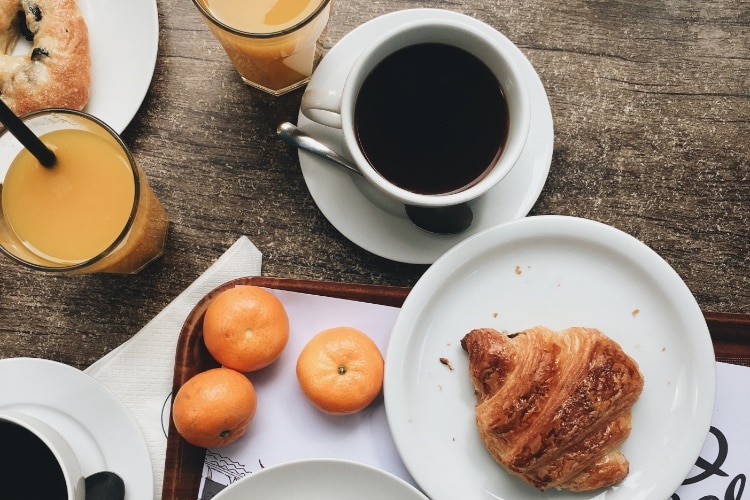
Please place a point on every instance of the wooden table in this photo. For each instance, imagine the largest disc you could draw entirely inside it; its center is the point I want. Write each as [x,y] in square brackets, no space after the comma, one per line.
[651,105]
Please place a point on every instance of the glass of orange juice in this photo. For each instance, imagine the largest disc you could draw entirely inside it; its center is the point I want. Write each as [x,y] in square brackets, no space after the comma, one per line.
[92,211]
[273,44]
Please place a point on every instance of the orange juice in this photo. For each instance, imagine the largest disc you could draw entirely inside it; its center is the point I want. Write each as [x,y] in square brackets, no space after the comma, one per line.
[76,210]
[261,16]
[93,211]
[273,44]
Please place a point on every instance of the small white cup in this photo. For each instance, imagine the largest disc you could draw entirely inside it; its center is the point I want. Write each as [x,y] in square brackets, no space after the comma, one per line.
[336,107]
[63,453]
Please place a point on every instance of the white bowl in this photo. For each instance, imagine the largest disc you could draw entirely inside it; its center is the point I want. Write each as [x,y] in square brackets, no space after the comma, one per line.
[321,479]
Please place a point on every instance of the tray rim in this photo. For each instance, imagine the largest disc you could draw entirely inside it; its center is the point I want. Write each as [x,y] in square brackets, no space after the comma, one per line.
[184,462]
[730,334]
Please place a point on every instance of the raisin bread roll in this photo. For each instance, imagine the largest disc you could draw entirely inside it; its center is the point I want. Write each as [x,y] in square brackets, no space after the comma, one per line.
[56,73]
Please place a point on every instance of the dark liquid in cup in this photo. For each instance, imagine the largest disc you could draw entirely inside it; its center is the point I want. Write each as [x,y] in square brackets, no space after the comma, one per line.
[28,469]
[431,118]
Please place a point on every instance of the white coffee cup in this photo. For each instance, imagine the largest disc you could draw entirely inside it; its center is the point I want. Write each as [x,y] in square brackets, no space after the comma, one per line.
[64,455]
[336,107]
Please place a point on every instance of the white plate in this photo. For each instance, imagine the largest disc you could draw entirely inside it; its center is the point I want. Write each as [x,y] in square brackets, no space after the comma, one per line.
[381,227]
[124,37]
[95,423]
[124,40]
[559,272]
[321,479]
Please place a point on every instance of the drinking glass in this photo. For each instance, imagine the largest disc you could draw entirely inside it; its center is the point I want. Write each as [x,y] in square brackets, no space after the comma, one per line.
[274,46]
[92,211]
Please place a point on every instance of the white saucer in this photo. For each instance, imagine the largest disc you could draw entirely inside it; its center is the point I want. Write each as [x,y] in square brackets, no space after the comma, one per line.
[95,423]
[384,229]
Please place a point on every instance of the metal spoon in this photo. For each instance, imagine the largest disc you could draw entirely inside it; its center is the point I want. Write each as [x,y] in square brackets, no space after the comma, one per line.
[442,220]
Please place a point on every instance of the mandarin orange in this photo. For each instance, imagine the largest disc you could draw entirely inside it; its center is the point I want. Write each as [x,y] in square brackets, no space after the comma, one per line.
[340,370]
[245,328]
[214,407]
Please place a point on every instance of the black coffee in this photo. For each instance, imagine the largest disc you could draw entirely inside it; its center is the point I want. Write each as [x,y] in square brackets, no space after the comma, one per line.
[431,118]
[28,469]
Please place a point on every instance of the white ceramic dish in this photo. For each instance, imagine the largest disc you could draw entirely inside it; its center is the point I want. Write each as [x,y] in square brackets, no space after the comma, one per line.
[321,479]
[96,425]
[124,39]
[380,226]
[559,272]
[124,42]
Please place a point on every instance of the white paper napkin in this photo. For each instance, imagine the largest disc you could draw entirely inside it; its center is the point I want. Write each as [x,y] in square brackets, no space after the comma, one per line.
[140,371]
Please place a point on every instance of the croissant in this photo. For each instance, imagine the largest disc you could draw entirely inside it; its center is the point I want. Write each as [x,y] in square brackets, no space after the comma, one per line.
[553,407]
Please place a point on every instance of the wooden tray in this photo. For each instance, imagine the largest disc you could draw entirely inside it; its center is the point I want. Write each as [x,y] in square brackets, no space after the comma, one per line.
[184,462]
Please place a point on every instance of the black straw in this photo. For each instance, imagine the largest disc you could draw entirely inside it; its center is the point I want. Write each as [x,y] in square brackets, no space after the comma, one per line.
[30,141]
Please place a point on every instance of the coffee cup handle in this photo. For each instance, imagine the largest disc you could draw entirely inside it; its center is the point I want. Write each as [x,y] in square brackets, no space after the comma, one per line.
[322,106]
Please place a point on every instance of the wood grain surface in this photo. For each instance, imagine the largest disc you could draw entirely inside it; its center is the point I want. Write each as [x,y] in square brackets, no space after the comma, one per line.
[651,107]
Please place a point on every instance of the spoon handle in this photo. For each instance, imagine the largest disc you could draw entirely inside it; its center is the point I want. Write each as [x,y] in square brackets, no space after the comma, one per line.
[292,135]
[440,220]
